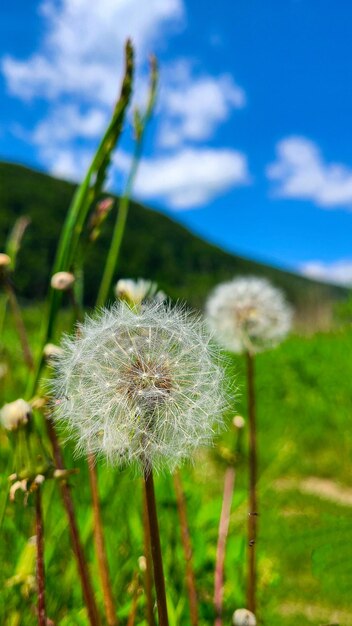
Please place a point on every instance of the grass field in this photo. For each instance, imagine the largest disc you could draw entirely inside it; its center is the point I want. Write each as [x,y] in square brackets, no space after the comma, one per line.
[305,489]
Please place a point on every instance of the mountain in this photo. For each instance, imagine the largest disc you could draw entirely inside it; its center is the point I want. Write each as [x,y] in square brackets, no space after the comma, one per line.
[155,246]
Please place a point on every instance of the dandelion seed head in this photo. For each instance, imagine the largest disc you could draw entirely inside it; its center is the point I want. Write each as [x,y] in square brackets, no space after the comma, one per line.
[146,402]
[248,314]
[243,617]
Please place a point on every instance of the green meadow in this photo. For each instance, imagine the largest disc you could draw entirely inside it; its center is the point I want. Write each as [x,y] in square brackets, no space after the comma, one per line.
[305,495]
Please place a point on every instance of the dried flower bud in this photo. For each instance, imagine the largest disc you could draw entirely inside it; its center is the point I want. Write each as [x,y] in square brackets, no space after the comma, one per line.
[105,205]
[243,617]
[62,281]
[4,260]
[238,421]
[142,563]
[3,370]
[51,351]
[15,414]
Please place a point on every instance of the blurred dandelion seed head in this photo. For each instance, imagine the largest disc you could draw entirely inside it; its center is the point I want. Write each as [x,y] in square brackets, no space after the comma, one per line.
[248,314]
[15,414]
[140,387]
[243,617]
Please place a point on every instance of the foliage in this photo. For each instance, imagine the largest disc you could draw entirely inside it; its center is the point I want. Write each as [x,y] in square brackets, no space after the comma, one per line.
[304,409]
[185,266]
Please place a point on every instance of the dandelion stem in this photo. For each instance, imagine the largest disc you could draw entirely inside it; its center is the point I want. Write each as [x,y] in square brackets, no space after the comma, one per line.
[229,483]
[253,509]
[155,547]
[148,574]
[187,549]
[39,530]
[100,549]
[21,329]
[75,539]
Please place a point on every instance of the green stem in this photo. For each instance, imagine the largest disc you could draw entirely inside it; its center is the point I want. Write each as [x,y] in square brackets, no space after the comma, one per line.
[253,508]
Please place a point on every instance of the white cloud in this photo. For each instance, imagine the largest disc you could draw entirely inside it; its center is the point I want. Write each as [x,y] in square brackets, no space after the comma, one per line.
[190,177]
[81,52]
[338,272]
[67,122]
[300,172]
[194,106]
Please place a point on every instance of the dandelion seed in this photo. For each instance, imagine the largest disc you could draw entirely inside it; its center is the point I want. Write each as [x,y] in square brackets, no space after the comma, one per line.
[248,314]
[145,403]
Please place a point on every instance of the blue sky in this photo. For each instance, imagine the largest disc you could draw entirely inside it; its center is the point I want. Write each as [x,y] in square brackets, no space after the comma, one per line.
[250,144]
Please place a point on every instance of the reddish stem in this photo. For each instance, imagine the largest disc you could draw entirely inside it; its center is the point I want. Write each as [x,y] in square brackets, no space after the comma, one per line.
[87,588]
[187,549]
[100,549]
[253,508]
[148,574]
[39,530]
[156,547]
[229,484]
[21,329]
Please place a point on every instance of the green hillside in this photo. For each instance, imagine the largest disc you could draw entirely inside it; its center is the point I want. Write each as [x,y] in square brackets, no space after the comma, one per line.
[155,246]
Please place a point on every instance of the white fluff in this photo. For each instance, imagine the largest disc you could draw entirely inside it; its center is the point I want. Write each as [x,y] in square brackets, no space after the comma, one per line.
[243,617]
[140,387]
[248,314]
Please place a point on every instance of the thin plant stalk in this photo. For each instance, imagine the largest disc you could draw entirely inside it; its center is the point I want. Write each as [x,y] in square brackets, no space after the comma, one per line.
[148,574]
[100,548]
[229,484]
[156,547]
[83,571]
[120,224]
[133,613]
[40,570]
[19,323]
[187,549]
[253,507]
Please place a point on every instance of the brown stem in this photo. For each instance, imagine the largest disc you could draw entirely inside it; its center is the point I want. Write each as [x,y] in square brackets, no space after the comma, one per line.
[39,531]
[229,484]
[253,508]
[87,588]
[132,616]
[100,549]
[21,329]
[155,547]
[187,549]
[148,574]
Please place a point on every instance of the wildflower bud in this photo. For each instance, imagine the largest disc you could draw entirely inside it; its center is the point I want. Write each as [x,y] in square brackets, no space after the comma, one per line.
[4,260]
[62,281]
[238,421]
[51,351]
[15,414]
[104,206]
[135,291]
[243,617]
[142,563]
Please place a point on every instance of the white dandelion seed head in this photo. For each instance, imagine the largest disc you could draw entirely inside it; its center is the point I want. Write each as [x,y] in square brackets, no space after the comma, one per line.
[140,387]
[248,314]
[15,414]
[243,617]
[136,291]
